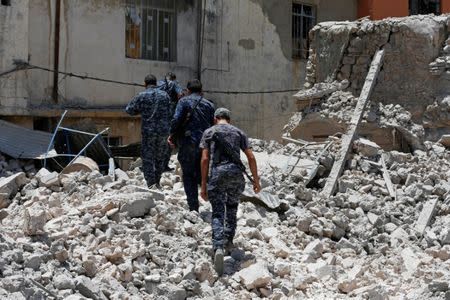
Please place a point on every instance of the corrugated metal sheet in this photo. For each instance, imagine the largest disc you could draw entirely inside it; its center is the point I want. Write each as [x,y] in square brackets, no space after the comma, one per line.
[20,142]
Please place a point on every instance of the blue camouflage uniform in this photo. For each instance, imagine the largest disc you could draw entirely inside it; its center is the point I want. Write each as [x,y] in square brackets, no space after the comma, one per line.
[154,106]
[189,152]
[225,183]
[173,89]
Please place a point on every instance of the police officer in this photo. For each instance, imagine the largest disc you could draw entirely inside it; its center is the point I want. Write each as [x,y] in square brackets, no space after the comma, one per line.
[171,86]
[193,115]
[154,106]
[226,181]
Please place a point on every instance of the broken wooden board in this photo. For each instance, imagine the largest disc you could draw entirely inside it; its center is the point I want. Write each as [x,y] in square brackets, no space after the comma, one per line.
[387,178]
[425,215]
[347,139]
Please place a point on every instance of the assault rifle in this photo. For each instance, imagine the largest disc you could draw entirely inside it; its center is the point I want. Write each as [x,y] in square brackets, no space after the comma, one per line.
[227,149]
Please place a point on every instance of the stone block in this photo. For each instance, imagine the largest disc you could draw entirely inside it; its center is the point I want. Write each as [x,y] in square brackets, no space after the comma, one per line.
[138,204]
[35,218]
[280,247]
[89,289]
[366,148]
[63,282]
[10,185]
[410,260]
[282,267]
[255,276]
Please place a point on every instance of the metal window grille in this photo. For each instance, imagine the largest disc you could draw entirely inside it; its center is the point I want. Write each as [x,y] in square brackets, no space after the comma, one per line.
[6,2]
[151,29]
[423,7]
[303,20]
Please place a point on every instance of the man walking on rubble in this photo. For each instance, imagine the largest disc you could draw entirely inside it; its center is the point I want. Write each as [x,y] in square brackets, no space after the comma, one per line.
[174,90]
[193,115]
[221,144]
[154,106]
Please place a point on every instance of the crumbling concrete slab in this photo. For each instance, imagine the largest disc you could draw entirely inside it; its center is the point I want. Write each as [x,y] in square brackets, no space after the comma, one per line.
[9,186]
[425,215]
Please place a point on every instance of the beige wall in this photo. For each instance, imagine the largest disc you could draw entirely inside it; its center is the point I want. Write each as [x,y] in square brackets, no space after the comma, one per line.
[246,48]
[260,47]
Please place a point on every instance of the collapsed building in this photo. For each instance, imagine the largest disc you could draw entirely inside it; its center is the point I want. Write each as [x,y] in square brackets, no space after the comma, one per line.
[384,233]
[410,103]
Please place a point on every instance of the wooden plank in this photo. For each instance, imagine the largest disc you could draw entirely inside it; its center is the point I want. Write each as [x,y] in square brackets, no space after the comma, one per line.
[299,142]
[387,178]
[425,215]
[347,139]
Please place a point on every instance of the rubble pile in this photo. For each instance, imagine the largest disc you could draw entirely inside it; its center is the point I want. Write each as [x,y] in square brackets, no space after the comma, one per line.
[11,166]
[101,237]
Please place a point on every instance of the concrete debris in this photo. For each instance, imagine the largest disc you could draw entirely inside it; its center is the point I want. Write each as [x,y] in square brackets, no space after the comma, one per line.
[321,89]
[81,164]
[384,234]
[92,236]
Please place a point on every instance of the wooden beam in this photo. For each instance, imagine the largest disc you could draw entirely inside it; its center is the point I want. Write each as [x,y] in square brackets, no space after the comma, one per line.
[347,139]
[387,178]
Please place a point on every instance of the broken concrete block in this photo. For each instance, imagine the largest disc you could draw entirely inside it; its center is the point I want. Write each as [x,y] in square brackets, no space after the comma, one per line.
[445,236]
[425,215]
[88,289]
[63,282]
[410,260]
[280,247]
[10,185]
[374,219]
[366,148]
[35,218]
[282,267]
[255,276]
[438,286]
[138,204]
[47,178]
[121,176]
[314,248]
[269,232]
[81,164]
[34,261]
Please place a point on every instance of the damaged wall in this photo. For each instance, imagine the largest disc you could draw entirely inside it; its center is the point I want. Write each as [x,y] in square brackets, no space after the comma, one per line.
[248,48]
[411,76]
[241,41]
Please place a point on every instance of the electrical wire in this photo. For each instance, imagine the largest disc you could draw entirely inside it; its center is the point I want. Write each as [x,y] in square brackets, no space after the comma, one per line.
[27,66]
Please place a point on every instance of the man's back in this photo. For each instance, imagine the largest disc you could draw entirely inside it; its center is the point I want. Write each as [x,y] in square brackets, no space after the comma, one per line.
[154,106]
[232,135]
[201,118]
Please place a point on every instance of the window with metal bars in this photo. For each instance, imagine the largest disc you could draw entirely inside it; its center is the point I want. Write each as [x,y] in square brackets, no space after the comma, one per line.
[6,2]
[303,20]
[424,7]
[150,31]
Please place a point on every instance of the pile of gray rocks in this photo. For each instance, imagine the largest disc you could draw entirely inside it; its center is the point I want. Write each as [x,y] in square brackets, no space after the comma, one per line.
[94,236]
